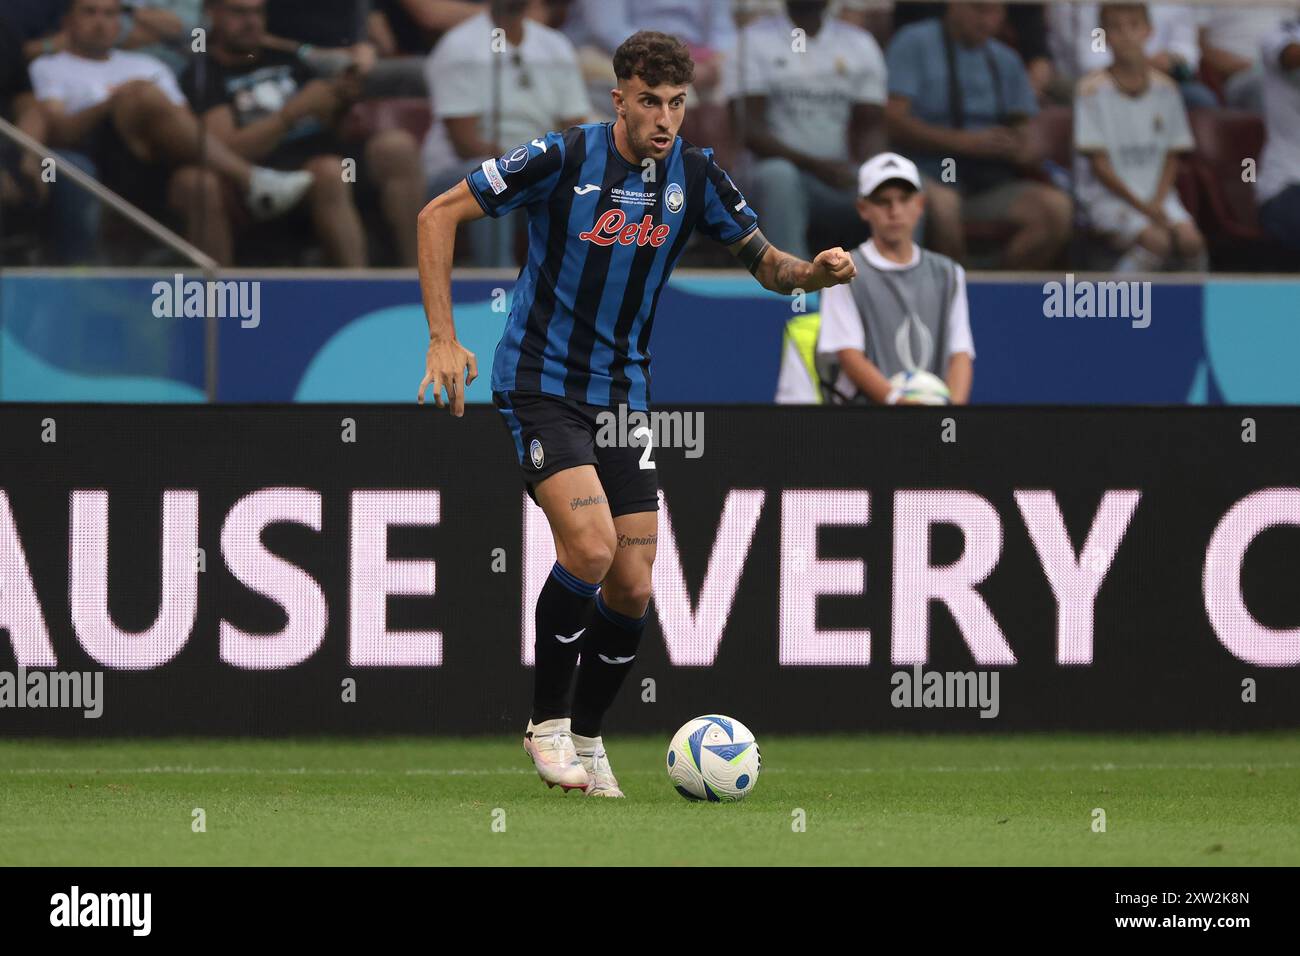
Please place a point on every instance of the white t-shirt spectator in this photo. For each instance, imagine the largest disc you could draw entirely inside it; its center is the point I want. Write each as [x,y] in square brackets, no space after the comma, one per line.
[541,85]
[79,83]
[1136,132]
[810,95]
[1175,28]
[1279,166]
[842,327]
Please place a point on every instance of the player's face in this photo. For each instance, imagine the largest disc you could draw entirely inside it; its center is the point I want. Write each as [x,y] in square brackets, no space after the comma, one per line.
[240,23]
[93,25]
[652,115]
[893,212]
[1127,32]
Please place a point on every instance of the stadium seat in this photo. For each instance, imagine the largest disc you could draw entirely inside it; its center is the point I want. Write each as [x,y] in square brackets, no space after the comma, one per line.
[1225,203]
[369,117]
[1224,139]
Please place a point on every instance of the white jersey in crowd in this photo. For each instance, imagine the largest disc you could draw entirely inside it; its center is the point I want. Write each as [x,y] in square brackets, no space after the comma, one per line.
[541,85]
[1076,51]
[1279,166]
[80,83]
[842,328]
[1240,28]
[1137,132]
[810,94]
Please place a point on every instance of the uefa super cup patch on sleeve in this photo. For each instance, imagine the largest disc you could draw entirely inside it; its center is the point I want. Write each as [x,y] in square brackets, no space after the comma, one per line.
[494,178]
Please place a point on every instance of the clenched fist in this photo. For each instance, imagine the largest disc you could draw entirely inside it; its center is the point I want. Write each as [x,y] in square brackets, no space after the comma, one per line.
[833,267]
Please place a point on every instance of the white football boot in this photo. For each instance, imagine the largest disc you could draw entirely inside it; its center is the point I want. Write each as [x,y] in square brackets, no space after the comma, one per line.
[591,751]
[551,746]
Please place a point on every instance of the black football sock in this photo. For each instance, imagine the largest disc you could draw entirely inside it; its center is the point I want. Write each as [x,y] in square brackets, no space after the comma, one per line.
[563,608]
[608,650]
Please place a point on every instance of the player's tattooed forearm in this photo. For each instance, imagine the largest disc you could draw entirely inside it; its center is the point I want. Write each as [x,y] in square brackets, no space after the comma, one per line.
[789,274]
[626,541]
[577,503]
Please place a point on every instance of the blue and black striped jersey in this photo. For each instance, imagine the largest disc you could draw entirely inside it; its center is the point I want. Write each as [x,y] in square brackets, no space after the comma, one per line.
[603,237]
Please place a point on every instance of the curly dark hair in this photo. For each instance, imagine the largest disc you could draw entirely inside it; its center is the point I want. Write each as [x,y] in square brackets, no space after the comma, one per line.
[655,57]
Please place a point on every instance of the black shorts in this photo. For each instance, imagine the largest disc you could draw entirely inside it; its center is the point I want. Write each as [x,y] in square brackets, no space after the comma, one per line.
[552,434]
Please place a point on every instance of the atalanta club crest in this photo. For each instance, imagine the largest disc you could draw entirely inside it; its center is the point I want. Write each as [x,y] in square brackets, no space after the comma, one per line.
[536,454]
[674,199]
[514,160]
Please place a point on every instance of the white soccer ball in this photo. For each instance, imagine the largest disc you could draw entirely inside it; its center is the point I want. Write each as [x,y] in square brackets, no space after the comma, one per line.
[922,387]
[714,758]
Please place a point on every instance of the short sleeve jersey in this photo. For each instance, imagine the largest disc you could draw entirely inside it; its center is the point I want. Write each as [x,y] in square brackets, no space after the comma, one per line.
[603,237]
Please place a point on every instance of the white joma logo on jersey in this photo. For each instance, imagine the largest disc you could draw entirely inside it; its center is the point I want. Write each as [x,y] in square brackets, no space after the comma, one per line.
[615,660]
[569,640]
[589,188]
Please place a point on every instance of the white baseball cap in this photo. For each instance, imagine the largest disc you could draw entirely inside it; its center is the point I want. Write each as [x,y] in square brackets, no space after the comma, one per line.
[883,167]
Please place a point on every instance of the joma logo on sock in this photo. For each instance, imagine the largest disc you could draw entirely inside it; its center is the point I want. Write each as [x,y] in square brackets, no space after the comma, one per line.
[74,909]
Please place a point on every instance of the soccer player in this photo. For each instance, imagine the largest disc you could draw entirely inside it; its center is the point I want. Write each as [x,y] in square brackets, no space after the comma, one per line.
[610,207]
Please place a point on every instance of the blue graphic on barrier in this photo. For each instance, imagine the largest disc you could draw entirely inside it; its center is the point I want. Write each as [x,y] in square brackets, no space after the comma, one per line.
[717,338]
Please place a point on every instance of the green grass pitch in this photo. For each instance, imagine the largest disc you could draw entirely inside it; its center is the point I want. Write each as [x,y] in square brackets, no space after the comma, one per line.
[1180,800]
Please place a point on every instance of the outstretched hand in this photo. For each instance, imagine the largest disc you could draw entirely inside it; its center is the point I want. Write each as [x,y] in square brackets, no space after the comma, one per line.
[446,362]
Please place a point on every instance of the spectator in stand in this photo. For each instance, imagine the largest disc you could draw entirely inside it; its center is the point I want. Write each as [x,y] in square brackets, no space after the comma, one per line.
[811,117]
[164,29]
[1026,33]
[334,36]
[959,101]
[1129,127]
[906,14]
[1278,189]
[416,26]
[556,14]
[1231,39]
[1079,48]
[541,90]
[1024,30]
[24,28]
[267,106]
[707,27]
[125,110]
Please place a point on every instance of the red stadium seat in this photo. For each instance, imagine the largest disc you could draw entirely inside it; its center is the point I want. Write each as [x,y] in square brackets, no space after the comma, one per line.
[369,117]
[1224,139]
[1224,203]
